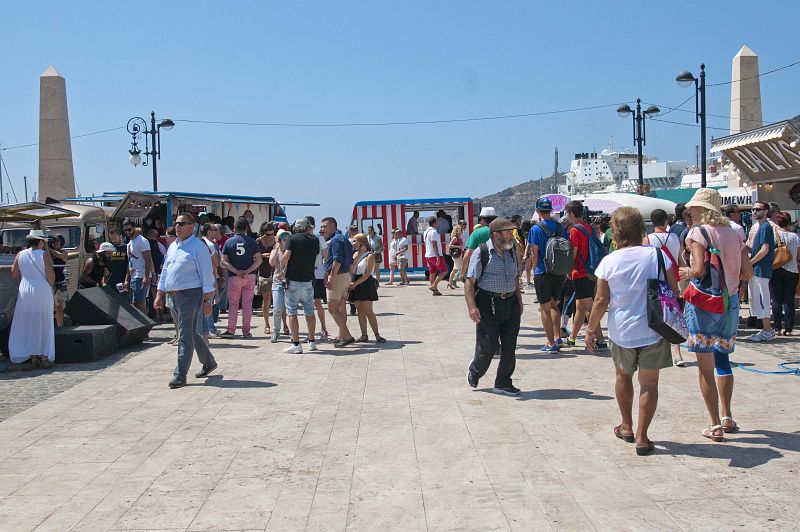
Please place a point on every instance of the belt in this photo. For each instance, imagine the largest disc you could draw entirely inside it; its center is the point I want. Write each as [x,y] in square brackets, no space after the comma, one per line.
[504,295]
[173,292]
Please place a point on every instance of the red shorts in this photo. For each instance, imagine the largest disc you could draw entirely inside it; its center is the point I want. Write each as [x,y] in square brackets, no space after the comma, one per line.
[436,264]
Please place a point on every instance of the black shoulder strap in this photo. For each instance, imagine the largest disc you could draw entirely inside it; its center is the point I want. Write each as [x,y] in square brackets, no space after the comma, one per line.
[661,266]
[484,259]
[543,227]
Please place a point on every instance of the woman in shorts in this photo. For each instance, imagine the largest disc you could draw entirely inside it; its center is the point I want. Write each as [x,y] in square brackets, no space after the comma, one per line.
[712,336]
[265,244]
[622,289]
[456,251]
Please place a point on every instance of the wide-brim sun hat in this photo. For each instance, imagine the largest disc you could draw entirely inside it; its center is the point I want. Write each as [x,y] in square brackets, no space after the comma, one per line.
[708,198]
[37,234]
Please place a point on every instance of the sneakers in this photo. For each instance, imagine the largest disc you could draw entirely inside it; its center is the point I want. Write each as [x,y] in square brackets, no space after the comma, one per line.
[549,349]
[225,334]
[204,372]
[294,349]
[564,333]
[601,345]
[344,342]
[274,338]
[762,336]
[559,343]
[177,382]
[312,346]
[247,336]
[569,342]
[471,380]
[507,390]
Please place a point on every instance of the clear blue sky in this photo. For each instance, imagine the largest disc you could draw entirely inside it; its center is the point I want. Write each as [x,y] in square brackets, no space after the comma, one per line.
[335,62]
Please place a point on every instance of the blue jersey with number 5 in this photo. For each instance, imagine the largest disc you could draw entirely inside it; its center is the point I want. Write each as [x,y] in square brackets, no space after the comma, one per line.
[240,250]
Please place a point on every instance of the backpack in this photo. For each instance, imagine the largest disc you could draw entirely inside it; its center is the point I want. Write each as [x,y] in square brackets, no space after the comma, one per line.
[710,292]
[596,251]
[558,253]
[663,247]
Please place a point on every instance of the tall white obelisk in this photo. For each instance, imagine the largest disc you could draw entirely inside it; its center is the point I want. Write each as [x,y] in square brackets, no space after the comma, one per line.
[745,92]
[56,175]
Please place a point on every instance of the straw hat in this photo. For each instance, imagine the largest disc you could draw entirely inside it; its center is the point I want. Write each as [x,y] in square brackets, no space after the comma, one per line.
[708,198]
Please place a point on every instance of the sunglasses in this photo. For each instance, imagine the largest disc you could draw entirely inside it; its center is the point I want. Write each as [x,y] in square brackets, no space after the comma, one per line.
[759,209]
[179,224]
[269,234]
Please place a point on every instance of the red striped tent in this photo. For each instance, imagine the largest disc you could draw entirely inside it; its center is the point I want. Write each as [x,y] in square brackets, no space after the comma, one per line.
[387,215]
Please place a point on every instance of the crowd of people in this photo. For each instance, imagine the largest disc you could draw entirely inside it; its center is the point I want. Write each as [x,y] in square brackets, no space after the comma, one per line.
[700,252]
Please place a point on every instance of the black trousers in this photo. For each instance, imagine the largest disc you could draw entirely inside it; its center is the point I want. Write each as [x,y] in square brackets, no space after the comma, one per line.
[782,287]
[500,320]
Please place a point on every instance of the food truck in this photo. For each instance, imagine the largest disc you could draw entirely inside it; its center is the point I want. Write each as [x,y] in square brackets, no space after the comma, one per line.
[386,215]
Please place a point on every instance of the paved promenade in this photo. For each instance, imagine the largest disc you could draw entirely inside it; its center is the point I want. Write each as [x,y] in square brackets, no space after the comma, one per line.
[392,438]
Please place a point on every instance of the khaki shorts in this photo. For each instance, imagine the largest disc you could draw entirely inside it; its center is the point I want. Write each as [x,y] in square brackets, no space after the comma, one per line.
[339,286]
[655,356]
[264,284]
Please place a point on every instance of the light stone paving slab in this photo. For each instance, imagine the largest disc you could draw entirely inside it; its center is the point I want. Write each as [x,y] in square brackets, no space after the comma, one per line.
[391,437]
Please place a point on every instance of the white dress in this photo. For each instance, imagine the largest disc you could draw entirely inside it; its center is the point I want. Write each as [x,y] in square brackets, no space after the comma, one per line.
[32,330]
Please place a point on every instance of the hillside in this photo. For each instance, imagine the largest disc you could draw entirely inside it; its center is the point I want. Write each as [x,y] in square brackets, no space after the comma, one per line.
[519,199]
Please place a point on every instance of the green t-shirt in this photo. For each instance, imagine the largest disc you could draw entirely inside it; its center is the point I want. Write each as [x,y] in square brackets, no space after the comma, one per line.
[608,241]
[478,237]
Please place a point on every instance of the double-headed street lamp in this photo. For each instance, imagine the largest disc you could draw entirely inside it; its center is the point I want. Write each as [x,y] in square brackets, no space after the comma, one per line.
[685,79]
[138,125]
[638,130]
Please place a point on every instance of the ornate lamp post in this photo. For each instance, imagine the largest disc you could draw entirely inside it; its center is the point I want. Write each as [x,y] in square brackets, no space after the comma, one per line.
[152,142]
[639,128]
[685,79]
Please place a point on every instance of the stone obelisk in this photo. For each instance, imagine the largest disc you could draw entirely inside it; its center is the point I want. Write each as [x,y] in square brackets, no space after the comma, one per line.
[56,175]
[745,92]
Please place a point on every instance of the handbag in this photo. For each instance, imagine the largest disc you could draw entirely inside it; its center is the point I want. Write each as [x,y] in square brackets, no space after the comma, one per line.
[664,314]
[455,252]
[710,292]
[782,254]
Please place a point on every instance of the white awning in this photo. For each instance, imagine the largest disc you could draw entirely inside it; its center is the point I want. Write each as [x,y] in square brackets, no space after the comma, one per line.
[749,137]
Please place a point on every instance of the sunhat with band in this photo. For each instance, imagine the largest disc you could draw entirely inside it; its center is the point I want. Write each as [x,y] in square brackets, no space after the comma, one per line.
[708,198]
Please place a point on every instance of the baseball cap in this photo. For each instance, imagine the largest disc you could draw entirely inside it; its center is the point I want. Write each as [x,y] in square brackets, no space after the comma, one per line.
[106,246]
[301,224]
[544,204]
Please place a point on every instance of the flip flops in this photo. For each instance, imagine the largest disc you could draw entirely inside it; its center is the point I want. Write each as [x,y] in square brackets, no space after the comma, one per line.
[629,438]
[647,449]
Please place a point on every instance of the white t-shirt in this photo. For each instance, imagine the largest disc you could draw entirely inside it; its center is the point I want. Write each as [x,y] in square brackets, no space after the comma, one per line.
[792,242]
[739,229]
[394,249]
[670,240]
[136,247]
[432,243]
[627,271]
[319,264]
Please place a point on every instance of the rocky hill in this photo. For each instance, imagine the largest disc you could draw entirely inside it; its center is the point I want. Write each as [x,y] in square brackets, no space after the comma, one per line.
[519,199]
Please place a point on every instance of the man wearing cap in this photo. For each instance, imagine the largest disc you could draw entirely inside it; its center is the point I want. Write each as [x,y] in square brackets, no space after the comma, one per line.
[188,277]
[494,302]
[547,285]
[299,260]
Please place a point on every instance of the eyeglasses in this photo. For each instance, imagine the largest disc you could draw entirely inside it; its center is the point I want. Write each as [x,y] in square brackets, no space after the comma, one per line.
[178,224]
[759,209]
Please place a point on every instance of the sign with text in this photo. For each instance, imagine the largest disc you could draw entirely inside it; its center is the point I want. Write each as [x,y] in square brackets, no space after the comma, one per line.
[767,161]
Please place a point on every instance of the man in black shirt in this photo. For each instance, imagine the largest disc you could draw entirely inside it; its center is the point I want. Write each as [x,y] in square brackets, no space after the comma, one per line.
[118,263]
[299,261]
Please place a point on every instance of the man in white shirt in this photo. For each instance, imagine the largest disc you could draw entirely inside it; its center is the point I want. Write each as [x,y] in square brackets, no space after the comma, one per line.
[735,216]
[433,255]
[397,256]
[672,247]
[140,260]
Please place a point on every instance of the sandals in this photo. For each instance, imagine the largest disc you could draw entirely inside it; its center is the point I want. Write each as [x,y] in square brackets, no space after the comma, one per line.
[380,340]
[436,292]
[732,426]
[647,449]
[362,339]
[267,330]
[711,430]
[629,438]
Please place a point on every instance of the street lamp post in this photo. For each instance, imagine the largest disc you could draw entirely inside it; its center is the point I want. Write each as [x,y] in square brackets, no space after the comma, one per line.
[685,79]
[138,125]
[639,130]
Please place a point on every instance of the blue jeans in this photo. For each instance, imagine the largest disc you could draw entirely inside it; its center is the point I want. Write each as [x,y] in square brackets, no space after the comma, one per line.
[187,305]
[300,293]
[278,306]
[223,298]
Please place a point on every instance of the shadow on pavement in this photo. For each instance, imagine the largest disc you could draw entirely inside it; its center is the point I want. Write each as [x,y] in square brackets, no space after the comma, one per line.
[224,345]
[544,356]
[745,458]
[218,381]
[556,394]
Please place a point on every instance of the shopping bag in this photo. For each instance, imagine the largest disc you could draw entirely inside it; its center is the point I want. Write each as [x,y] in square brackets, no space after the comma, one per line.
[664,314]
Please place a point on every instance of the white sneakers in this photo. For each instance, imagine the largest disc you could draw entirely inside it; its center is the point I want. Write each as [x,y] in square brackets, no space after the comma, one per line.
[762,336]
[298,349]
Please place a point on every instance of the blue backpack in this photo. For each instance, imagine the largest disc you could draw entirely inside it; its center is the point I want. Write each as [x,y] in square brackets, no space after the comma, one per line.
[596,251]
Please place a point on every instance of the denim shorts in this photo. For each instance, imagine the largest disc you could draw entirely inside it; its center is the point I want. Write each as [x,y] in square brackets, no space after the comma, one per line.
[301,293]
[138,290]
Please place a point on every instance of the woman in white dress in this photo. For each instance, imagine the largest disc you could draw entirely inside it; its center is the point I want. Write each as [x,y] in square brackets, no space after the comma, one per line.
[32,330]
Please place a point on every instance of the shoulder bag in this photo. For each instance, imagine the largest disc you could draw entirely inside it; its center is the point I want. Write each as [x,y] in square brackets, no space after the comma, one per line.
[664,314]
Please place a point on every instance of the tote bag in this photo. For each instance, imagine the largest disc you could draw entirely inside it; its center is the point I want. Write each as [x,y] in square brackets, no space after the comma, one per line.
[710,292]
[664,314]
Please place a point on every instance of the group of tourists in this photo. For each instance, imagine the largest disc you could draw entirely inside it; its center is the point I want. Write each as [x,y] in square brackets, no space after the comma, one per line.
[700,261]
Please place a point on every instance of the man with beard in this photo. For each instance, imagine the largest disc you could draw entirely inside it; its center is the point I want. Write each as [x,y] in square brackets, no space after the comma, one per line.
[494,302]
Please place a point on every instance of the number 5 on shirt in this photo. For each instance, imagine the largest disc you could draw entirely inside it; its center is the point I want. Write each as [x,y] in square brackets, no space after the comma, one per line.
[240,248]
